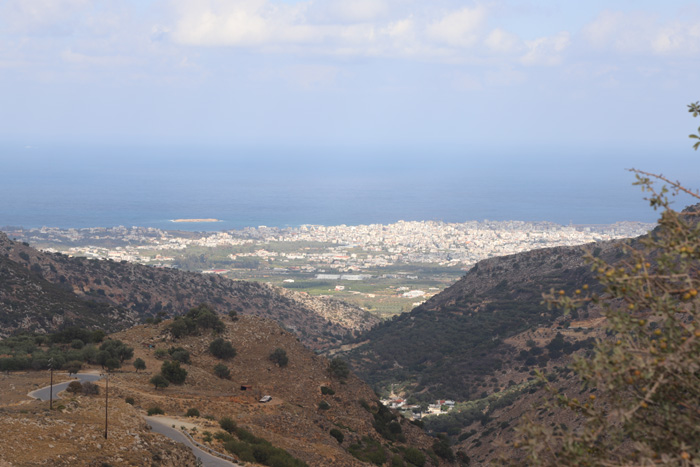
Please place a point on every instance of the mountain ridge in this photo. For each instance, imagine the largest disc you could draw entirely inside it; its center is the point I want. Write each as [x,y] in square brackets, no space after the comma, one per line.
[143,291]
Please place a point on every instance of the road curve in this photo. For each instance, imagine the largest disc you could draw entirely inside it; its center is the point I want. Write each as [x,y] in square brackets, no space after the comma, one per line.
[156,425]
[176,435]
[43,394]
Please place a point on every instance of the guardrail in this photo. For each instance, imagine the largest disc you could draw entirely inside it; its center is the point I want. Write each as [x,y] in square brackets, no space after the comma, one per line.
[208,449]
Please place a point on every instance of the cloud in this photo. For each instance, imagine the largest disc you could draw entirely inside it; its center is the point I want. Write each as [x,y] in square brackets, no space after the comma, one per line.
[216,23]
[99,60]
[345,12]
[459,28]
[502,41]
[546,50]
[42,17]
[643,33]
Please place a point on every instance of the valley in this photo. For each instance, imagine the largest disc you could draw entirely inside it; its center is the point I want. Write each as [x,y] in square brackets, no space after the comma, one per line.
[383,269]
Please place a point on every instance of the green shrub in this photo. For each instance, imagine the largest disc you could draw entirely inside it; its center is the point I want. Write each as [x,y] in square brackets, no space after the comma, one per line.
[222,371]
[139,364]
[192,413]
[323,405]
[368,450]
[227,424]
[159,381]
[414,456]
[75,387]
[338,368]
[327,391]
[279,356]
[196,320]
[179,354]
[173,372]
[222,349]
[155,411]
[129,400]
[337,434]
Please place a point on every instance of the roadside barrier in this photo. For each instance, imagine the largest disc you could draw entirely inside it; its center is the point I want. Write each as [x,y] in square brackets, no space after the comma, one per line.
[208,449]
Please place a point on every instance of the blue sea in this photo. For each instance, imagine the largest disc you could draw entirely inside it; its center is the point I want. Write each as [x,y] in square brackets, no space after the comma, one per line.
[102,186]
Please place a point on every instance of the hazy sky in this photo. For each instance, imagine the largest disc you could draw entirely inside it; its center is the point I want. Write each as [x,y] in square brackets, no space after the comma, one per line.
[517,73]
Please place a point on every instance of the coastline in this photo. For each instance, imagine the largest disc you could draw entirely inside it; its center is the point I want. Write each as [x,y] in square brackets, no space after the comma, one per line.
[196,220]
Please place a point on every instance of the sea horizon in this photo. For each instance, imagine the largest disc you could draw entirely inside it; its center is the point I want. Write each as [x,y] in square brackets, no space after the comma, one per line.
[82,187]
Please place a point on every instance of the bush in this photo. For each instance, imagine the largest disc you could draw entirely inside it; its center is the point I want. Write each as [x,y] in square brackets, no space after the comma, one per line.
[155,411]
[338,368]
[227,424]
[117,350]
[279,356]
[173,372]
[196,320]
[337,434]
[90,389]
[180,355]
[323,405]
[326,391]
[161,353]
[75,387]
[222,349]
[414,456]
[368,450]
[222,371]
[442,448]
[72,367]
[139,364]
[129,400]
[192,413]
[159,381]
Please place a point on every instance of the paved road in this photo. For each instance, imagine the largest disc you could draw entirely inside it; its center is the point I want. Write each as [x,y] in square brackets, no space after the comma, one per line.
[164,429]
[43,393]
[156,425]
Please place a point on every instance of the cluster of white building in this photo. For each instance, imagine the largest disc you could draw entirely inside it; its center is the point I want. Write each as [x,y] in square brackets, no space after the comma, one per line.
[354,248]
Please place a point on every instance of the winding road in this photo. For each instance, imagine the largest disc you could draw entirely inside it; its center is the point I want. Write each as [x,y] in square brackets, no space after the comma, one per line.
[43,394]
[176,435]
[156,425]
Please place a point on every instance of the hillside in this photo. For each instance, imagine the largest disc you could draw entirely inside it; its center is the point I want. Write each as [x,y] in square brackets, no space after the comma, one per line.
[30,303]
[294,420]
[144,291]
[480,341]
[72,433]
[317,416]
[449,346]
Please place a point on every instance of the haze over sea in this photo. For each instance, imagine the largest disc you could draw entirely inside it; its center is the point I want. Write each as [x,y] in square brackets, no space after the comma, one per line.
[61,186]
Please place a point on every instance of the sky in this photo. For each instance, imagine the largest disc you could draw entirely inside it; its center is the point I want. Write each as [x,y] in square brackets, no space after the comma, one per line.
[517,74]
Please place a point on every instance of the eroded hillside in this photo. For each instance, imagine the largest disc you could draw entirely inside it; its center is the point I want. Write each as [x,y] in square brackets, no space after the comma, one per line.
[143,291]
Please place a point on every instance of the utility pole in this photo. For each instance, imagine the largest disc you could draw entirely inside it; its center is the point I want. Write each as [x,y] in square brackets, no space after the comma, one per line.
[106,401]
[51,386]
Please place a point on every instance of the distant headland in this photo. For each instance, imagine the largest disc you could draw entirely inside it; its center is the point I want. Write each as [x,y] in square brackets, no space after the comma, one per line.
[195,220]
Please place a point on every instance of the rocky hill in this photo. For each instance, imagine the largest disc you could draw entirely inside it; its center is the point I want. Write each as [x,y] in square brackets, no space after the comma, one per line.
[480,341]
[451,345]
[317,415]
[29,302]
[301,414]
[142,291]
